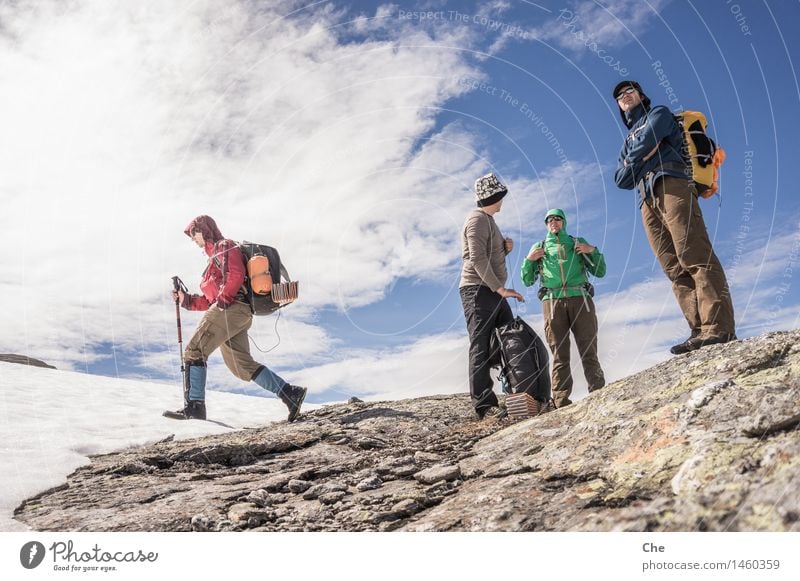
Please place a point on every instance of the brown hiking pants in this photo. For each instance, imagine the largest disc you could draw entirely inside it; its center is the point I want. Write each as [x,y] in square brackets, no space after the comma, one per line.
[227,330]
[677,233]
[560,317]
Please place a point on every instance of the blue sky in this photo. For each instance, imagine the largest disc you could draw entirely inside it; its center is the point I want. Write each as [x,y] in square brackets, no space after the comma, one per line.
[349,135]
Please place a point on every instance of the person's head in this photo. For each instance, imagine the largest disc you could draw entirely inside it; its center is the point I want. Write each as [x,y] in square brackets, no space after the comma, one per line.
[203,230]
[629,95]
[489,193]
[555,220]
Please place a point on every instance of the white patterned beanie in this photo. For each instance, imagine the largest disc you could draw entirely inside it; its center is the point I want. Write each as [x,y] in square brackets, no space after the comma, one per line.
[489,190]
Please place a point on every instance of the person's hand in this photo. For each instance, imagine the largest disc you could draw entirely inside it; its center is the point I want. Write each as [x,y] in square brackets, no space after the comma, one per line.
[178,296]
[536,254]
[509,245]
[508,293]
[582,248]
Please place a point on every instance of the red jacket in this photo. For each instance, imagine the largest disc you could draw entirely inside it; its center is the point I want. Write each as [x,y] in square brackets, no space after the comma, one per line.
[225,273]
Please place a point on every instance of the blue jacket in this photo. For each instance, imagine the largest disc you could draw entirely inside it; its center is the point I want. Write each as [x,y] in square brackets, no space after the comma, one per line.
[647,129]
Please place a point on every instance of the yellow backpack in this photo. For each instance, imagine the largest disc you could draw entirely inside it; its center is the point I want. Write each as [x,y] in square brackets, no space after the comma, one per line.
[705,155]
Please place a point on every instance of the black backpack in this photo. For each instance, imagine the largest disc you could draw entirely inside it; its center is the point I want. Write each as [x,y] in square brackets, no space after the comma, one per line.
[523,359]
[284,290]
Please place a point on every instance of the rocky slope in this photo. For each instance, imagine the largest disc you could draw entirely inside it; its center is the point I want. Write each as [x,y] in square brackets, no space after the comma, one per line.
[24,360]
[704,441]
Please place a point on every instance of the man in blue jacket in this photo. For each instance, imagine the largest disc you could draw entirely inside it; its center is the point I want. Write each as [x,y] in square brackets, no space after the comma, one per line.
[652,161]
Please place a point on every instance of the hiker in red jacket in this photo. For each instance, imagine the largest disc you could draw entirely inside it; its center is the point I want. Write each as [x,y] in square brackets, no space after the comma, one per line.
[224,325]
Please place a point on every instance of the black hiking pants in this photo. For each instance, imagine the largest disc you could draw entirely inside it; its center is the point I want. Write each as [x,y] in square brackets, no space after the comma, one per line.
[484,311]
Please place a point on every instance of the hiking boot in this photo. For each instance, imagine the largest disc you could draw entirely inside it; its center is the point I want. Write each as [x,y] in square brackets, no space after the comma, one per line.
[546,406]
[491,412]
[687,345]
[713,340]
[194,410]
[293,397]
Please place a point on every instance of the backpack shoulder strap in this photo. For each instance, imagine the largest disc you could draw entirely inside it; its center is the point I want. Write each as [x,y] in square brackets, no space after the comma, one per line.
[215,256]
[541,263]
[584,260]
[492,226]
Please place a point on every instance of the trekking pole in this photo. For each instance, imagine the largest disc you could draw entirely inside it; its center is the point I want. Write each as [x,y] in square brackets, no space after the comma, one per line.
[177,285]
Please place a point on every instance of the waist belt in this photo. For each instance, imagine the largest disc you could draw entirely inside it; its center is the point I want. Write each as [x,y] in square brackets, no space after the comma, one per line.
[585,288]
[676,166]
[645,185]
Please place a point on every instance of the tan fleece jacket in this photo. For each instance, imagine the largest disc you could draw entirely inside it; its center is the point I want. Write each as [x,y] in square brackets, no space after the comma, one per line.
[483,251]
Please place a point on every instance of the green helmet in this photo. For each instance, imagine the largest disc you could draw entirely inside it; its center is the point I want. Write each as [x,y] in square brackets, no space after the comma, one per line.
[556,212]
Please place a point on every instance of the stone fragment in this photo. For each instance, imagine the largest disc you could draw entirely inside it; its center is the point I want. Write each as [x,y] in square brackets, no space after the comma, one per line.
[332,497]
[223,526]
[371,483]
[201,523]
[407,507]
[386,516]
[320,489]
[298,486]
[242,512]
[260,498]
[403,471]
[437,473]
[426,457]
[363,516]
[366,443]
[276,483]
[702,395]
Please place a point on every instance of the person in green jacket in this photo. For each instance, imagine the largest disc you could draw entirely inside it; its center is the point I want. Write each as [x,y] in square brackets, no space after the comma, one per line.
[561,262]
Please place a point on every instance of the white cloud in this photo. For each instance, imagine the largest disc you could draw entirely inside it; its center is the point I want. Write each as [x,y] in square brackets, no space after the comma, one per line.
[439,366]
[613,23]
[124,121]
[563,186]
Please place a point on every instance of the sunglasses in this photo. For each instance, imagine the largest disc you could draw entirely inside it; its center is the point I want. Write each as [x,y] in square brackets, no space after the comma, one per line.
[627,91]
[553,219]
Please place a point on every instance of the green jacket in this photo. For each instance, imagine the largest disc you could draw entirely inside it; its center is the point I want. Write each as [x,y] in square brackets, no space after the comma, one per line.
[562,270]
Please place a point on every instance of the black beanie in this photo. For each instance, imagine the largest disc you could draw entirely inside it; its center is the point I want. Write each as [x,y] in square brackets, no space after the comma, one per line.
[635,85]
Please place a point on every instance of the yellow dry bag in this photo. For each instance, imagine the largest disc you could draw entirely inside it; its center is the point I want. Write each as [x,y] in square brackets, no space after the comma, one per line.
[705,155]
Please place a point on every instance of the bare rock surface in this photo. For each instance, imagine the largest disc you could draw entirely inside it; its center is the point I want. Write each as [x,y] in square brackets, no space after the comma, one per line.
[24,360]
[705,441]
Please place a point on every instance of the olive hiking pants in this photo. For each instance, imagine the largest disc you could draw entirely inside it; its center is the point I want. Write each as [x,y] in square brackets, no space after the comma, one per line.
[575,314]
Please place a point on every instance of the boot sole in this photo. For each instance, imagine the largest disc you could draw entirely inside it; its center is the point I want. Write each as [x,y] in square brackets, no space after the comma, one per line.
[174,416]
[180,416]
